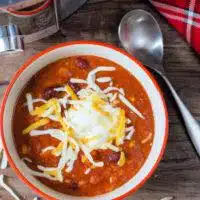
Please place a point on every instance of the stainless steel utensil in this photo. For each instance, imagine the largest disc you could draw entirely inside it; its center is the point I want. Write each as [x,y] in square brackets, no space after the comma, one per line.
[10,39]
[141,36]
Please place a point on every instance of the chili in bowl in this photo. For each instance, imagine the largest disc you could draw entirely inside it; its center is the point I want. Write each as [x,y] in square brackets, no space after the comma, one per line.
[83,120]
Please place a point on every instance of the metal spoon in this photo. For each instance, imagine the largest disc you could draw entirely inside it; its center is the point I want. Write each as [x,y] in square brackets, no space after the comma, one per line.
[141,36]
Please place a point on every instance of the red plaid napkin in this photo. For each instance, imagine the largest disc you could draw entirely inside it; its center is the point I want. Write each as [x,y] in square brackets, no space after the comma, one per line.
[184,15]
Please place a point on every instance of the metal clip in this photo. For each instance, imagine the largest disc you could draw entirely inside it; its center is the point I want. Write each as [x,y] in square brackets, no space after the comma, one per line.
[10,39]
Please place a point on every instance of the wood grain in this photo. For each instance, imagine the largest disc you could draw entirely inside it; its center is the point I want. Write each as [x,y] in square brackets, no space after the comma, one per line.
[178,173]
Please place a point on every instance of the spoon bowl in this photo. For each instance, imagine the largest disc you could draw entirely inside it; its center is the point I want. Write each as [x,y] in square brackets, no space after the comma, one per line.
[141,36]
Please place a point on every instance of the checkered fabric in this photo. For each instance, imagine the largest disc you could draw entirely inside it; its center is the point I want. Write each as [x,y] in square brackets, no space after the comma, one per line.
[184,15]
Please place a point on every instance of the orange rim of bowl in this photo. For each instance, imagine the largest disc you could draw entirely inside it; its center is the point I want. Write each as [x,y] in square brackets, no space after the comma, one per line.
[32,12]
[35,57]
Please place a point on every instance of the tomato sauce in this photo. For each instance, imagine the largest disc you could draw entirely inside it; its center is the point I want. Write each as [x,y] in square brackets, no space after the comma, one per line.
[101,179]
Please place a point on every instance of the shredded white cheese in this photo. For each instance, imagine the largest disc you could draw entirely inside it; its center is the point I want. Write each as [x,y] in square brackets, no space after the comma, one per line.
[36,101]
[128,121]
[132,108]
[29,102]
[60,89]
[109,95]
[75,102]
[46,168]
[84,92]
[50,169]
[72,141]
[64,101]
[111,146]
[130,131]
[87,171]
[77,80]
[129,128]
[56,133]
[92,76]
[7,188]
[70,158]
[48,112]
[104,79]
[114,97]
[70,163]
[53,118]
[41,174]
[109,89]
[88,155]
[50,148]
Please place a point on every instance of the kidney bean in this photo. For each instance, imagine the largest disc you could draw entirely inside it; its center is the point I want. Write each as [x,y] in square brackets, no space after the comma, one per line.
[50,93]
[82,63]
[73,186]
[113,157]
[75,87]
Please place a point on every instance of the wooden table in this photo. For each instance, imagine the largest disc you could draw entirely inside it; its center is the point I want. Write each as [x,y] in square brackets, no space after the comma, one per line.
[178,174]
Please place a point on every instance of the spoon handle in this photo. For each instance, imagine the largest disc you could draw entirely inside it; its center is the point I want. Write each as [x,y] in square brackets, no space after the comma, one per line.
[191,124]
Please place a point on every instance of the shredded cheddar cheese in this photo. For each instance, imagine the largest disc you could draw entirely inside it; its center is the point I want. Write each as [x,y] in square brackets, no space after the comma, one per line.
[40,110]
[96,98]
[122,159]
[57,151]
[71,92]
[120,131]
[83,159]
[97,107]
[97,102]
[36,125]
[52,173]
[55,173]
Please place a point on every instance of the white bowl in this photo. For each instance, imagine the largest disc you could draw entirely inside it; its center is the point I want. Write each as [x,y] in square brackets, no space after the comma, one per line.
[52,54]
